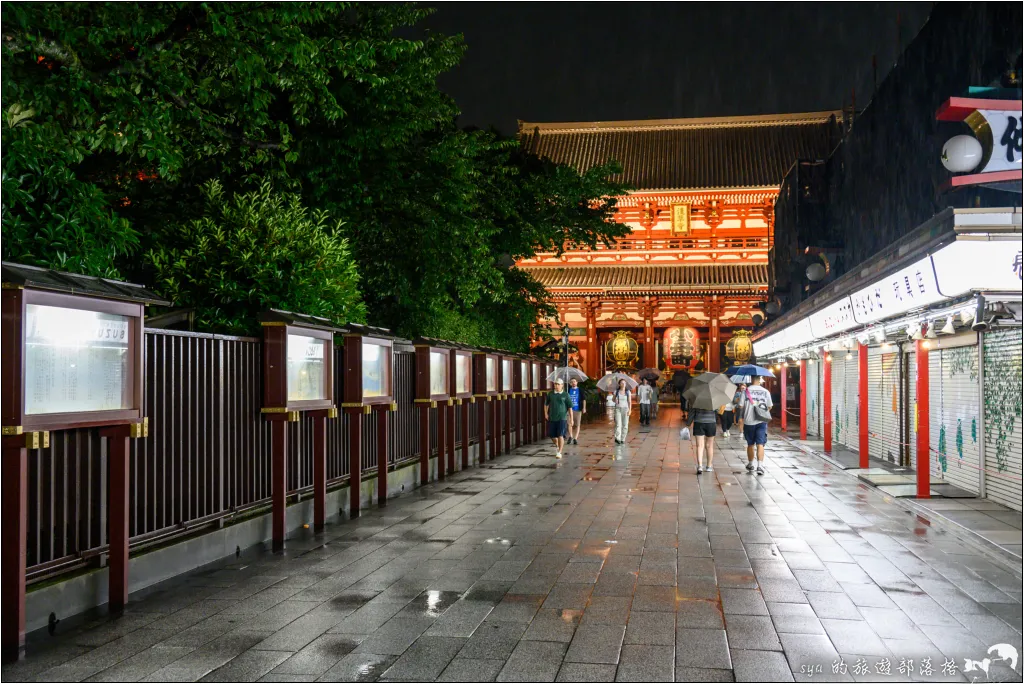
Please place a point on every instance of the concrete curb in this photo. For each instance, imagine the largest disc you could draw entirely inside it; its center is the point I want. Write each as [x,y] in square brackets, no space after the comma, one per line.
[990,548]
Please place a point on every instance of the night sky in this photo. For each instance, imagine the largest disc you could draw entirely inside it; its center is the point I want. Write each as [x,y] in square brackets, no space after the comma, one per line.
[608,61]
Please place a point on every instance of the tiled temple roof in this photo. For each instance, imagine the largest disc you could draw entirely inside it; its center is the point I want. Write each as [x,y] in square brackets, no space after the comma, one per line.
[689,278]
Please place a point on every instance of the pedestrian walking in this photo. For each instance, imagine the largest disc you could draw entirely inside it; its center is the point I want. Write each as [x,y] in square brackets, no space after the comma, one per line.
[643,395]
[579,407]
[755,404]
[727,415]
[703,422]
[655,397]
[622,399]
[556,410]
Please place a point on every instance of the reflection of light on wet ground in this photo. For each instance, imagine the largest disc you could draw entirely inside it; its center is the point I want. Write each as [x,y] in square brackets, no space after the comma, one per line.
[498,540]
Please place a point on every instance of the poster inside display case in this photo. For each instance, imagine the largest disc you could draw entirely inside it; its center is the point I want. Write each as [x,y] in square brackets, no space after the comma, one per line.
[506,375]
[463,374]
[492,374]
[524,375]
[438,373]
[307,379]
[536,376]
[376,376]
[76,360]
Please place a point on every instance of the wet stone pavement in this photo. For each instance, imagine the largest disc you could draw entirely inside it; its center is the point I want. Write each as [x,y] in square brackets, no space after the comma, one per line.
[615,563]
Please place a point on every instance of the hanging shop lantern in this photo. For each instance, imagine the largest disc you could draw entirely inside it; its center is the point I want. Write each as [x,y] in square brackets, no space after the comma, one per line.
[739,347]
[621,350]
[682,348]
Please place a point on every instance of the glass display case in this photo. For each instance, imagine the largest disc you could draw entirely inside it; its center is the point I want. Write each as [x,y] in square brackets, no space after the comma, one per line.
[368,366]
[462,373]
[506,376]
[433,369]
[298,362]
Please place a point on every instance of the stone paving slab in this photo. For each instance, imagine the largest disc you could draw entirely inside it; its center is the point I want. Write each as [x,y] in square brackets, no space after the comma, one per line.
[616,563]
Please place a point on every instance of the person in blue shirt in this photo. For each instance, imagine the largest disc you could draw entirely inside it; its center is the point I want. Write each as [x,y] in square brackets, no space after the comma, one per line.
[579,407]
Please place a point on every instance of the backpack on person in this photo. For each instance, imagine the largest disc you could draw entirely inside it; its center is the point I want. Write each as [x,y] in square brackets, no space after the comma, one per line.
[761,411]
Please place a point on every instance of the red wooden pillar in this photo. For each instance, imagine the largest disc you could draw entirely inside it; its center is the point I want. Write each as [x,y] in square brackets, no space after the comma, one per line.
[424,443]
[355,461]
[862,402]
[451,434]
[495,436]
[924,475]
[519,422]
[442,437]
[826,401]
[15,541]
[782,396]
[118,454]
[319,469]
[482,429]
[465,434]
[382,454]
[803,398]
[507,423]
[278,476]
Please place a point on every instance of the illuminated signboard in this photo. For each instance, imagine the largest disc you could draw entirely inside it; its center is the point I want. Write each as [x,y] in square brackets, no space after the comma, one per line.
[909,288]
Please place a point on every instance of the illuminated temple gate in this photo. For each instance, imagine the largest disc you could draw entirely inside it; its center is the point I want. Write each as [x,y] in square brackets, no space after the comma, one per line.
[691,274]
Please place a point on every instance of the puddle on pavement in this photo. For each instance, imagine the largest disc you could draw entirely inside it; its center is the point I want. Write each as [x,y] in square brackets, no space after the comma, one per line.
[432,603]
[354,600]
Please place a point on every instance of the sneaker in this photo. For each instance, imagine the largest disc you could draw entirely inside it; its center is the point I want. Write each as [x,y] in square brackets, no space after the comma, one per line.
[558,454]
[575,441]
[709,469]
[750,465]
[726,434]
[760,470]
[699,471]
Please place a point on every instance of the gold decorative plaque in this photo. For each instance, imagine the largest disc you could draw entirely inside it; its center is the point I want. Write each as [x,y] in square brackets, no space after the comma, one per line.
[680,219]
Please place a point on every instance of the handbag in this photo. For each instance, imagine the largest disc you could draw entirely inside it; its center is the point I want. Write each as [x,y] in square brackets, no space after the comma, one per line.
[761,411]
[684,433]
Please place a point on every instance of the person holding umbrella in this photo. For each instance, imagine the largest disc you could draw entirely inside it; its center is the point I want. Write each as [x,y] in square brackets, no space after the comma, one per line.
[643,394]
[579,407]
[620,385]
[706,394]
[755,412]
[556,410]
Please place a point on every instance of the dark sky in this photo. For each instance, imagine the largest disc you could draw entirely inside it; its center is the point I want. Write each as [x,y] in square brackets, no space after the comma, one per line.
[606,61]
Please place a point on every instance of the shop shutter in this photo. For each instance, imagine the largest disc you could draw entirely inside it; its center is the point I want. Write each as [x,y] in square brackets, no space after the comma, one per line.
[850,435]
[953,414]
[838,408]
[1002,396]
[884,407]
[911,366]
[813,398]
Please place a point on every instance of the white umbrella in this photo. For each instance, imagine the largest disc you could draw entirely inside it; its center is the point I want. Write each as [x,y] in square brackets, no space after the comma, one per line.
[611,381]
[567,374]
[740,379]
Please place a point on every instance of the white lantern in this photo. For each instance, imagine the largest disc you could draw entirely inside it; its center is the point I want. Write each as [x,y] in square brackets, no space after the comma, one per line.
[961,154]
[815,272]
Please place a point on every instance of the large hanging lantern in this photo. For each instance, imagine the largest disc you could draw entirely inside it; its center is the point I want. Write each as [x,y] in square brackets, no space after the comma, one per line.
[682,348]
[621,350]
[739,347]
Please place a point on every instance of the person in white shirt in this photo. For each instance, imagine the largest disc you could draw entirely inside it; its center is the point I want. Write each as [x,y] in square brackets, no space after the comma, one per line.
[643,394]
[622,399]
[755,430]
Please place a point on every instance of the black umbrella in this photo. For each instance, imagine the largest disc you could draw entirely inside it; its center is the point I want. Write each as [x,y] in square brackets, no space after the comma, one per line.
[680,380]
[652,374]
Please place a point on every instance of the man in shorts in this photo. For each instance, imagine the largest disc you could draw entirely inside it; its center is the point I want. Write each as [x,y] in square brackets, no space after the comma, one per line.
[579,407]
[556,410]
[755,430]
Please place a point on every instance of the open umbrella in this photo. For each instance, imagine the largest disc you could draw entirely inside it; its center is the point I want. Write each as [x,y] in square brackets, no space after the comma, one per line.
[649,374]
[750,369]
[567,374]
[710,391]
[680,380]
[609,382]
[740,379]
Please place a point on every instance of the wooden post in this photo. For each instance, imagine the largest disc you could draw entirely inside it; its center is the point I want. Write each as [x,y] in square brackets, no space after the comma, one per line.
[355,461]
[319,470]
[465,434]
[924,475]
[826,401]
[519,423]
[15,541]
[782,396]
[424,443]
[451,435]
[862,402]
[118,455]
[507,423]
[803,399]
[442,440]
[382,453]
[481,421]
[278,476]
[493,420]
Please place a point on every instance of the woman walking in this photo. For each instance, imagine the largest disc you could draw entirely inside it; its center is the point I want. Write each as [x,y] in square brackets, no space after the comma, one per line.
[622,400]
[703,422]
[727,417]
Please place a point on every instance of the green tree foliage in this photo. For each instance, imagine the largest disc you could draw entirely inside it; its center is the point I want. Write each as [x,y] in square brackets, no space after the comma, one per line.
[255,251]
[117,113]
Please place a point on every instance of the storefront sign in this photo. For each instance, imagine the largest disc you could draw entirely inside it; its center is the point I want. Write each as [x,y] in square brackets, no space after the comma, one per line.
[966,265]
[833,319]
[908,288]
[1006,127]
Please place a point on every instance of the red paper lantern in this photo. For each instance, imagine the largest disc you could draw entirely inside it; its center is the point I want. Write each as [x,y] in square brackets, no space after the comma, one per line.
[682,348]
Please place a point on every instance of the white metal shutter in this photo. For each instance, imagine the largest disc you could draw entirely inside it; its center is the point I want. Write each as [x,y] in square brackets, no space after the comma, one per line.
[953,412]
[911,361]
[813,398]
[884,407]
[1003,366]
[850,433]
[838,408]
